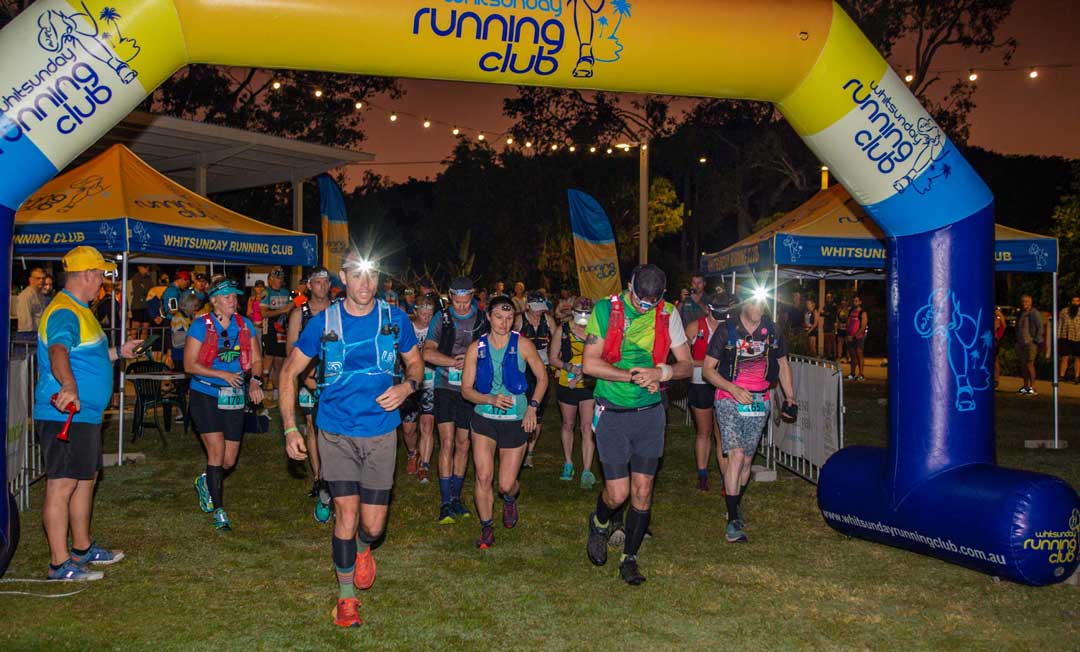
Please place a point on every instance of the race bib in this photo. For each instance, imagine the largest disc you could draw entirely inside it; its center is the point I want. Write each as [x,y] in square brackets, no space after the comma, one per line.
[307,399]
[429,378]
[697,379]
[498,414]
[230,398]
[755,408]
[453,376]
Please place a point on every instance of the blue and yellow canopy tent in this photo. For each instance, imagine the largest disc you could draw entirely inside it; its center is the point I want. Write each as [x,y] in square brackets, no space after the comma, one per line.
[829,236]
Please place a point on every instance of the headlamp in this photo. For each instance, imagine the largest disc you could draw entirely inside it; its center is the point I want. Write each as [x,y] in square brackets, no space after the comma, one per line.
[581,318]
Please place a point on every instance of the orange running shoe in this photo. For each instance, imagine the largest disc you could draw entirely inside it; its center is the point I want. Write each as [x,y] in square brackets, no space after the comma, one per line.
[411,463]
[347,613]
[364,575]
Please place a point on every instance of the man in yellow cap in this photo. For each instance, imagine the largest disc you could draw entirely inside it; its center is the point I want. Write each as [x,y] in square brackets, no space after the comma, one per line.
[76,376]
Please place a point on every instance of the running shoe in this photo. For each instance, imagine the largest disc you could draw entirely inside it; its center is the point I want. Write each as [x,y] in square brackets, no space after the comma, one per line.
[322,512]
[70,571]
[98,556]
[423,475]
[528,463]
[347,613]
[860,378]
[596,547]
[703,483]
[221,520]
[487,537]
[411,463]
[628,569]
[1031,392]
[1022,390]
[851,377]
[567,472]
[734,532]
[364,576]
[460,510]
[206,503]
[588,480]
[510,514]
[446,514]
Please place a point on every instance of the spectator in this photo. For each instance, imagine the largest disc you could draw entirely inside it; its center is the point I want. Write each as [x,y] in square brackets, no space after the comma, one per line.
[408,303]
[858,324]
[1069,339]
[812,326]
[190,306]
[519,299]
[200,286]
[794,315]
[254,306]
[692,307]
[999,332]
[138,287]
[842,314]
[109,307]
[499,290]
[1029,336]
[482,299]
[47,289]
[829,311]
[31,302]
[170,298]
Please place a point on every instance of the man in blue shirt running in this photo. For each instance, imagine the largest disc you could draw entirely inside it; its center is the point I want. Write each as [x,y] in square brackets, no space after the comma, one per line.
[358,341]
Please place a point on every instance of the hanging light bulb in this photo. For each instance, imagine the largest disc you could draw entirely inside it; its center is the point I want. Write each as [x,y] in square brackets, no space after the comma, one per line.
[972,75]
[456,131]
[703,160]
[644,147]
[318,93]
[609,150]
[359,105]
[554,148]
[909,78]
[276,86]
[510,140]
[1033,73]
[393,117]
[481,136]
[427,124]
[528,144]
[592,150]
[573,149]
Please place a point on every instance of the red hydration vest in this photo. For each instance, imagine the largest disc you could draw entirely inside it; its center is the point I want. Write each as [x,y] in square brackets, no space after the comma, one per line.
[617,325]
[209,349]
[854,324]
[700,348]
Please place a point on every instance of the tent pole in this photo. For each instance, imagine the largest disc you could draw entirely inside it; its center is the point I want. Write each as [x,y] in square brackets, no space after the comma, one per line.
[820,305]
[1054,356]
[733,283]
[775,290]
[123,339]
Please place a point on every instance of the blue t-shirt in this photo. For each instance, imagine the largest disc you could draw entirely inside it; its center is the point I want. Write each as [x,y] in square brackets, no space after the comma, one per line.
[228,357]
[69,323]
[347,407]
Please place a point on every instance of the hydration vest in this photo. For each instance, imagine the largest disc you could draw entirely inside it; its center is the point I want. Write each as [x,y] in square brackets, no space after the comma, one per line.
[854,323]
[335,348]
[700,348]
[729,359]
[616,327]
[540,335]
[209,348]
[513,378]
[448,332]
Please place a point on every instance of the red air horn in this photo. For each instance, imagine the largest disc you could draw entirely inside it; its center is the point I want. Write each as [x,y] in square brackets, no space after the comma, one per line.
[70,409]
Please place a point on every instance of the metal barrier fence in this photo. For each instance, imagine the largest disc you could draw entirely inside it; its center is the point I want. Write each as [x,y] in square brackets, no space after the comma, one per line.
[802,448]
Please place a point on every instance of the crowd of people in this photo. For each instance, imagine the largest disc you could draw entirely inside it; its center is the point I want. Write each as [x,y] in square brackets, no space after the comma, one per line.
[355,363]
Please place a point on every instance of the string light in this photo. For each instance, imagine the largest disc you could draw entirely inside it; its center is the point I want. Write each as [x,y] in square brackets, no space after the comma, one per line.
[276,86]
[456,131]
[359,105]
[528,144]
[609,150]
[510,140]
[573,149]
[972,75]
[909,78]
[554,148]
[427,124]
[703,160]
[480,137]
[1033,73]
[592,150]
[393,117]
[318,93]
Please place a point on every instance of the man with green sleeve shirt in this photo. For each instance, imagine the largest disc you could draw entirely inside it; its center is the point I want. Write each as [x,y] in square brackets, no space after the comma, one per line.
[628,341]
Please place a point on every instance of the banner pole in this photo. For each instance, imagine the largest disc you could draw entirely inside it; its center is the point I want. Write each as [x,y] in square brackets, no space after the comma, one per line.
[1054,355]
[123,368]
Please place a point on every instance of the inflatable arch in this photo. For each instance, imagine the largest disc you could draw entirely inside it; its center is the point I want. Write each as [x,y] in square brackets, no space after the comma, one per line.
[69,70]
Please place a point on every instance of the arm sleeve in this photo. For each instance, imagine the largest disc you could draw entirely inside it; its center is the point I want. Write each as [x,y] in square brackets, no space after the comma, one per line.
[676,329]
[62,328]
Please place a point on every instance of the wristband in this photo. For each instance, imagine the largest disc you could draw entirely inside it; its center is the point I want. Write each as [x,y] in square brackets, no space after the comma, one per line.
[666,372]
[292,429]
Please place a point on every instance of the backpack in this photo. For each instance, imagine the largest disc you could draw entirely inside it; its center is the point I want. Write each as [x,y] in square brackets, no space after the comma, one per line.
[616,328]
[448,331]
[209,348]
[513,378]
[729,359]
[700,348]
[335,348]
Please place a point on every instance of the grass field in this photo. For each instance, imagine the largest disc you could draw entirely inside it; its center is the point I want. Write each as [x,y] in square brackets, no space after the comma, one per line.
[269,584]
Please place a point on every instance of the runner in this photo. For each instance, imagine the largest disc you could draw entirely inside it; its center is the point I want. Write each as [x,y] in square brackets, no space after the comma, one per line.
[357,340]
[224,359]
[276,304]
[459,325]
[419,408]
[747,354]
[575,390]
[629,337]
[537,325]
[700,397]
[318,284]
[494,379]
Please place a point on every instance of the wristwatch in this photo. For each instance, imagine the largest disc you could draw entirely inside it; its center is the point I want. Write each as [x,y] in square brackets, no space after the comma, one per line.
[533,403]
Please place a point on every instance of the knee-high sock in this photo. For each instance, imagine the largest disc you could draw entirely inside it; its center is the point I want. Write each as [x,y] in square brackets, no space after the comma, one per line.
[215,481]
[344,553]
[456,483]
[636,524]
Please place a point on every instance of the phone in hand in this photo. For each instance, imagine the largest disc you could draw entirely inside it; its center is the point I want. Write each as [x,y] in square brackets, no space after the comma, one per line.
[146,345]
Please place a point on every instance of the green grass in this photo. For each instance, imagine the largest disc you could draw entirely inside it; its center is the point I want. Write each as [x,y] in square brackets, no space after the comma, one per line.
[269,584]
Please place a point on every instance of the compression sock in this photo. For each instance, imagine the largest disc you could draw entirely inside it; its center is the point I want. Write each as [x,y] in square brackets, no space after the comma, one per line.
[603,512]
[617,514]
[703,473]
[636,524]
[732,507]
[215,481]
[344,553]
[444,490]
[364,540]
[456,483]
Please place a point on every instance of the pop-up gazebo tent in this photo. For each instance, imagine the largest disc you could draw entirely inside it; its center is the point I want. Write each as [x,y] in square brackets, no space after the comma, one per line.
[120,205]
[830,236]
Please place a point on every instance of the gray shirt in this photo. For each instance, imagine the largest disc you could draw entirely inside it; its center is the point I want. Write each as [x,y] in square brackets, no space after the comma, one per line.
[28,309]
[1029,327]
[465,332]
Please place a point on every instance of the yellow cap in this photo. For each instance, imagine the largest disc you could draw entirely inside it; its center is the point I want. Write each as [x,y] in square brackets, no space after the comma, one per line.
[83,258]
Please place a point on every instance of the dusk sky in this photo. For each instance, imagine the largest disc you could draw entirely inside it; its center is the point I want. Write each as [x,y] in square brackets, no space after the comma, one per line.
[1015,115]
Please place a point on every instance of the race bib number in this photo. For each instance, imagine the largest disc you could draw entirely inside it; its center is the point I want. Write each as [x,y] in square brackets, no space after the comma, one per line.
[230,398]
[307,399]
[429,378]
[453,376]
[755,408]
[697,379]
[498,414]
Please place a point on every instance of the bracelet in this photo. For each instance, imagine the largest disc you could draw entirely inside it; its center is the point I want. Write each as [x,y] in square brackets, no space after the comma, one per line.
[292,429]
[666,372]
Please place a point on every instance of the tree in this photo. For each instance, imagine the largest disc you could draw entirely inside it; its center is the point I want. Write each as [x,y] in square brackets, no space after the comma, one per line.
[1067,230]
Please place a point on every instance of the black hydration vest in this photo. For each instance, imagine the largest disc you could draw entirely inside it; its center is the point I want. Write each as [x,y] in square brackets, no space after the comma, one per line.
[540,335]
[729,330]
[448,331]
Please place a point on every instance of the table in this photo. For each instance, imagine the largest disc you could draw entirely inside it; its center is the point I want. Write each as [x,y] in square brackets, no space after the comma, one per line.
[148,395]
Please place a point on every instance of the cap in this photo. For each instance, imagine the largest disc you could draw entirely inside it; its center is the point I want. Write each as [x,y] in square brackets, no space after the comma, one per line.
[200,277]
[461,285]
[225,286]
[648,281]
[83,258]
[184,274]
